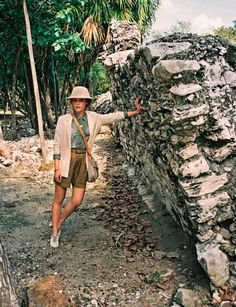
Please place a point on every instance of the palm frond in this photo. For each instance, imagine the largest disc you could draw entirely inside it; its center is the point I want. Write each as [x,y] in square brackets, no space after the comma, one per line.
[92,32]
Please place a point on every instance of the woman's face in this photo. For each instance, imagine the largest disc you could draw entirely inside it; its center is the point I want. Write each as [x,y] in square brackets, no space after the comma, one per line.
[79,105]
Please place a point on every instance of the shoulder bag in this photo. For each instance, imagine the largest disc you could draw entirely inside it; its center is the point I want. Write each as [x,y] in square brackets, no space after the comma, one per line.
[92,166]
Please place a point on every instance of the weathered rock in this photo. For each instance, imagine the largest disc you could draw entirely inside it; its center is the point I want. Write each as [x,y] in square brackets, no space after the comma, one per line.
[220,154]
[124,35]
[188,152]
[183,142]
[160,50]
[222,131]
[102,104]
[167,68]
[214,262]
[185,89]
[187,298]
[213,74]
[7,162]
[190,113]
[194,168]
[230,78]
[226,304]
[208,206]
[202,186]
[206,236]
[117,58]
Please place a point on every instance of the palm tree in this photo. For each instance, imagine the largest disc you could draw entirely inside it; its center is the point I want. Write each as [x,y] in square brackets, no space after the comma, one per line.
[100,13]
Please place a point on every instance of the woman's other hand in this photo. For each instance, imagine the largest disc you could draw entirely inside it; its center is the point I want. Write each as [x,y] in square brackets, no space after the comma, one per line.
[57,175]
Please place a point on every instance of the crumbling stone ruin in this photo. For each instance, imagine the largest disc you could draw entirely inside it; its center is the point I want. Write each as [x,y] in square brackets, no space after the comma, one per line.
[183,144]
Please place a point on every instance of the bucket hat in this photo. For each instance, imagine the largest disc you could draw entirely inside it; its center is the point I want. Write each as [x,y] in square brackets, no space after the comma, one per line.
[80,92]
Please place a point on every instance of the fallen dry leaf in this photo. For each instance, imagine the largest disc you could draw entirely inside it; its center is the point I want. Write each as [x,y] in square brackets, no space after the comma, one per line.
[226,297]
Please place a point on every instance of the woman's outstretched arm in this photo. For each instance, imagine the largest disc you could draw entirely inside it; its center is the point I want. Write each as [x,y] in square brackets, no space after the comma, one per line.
[110,118]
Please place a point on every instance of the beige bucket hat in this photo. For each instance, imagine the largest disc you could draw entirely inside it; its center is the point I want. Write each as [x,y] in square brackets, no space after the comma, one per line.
[80,92]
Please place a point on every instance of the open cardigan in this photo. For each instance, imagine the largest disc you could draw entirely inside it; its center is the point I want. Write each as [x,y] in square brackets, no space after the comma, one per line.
[62,138]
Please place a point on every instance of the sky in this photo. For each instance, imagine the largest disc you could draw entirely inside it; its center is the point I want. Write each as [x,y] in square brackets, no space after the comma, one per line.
[204,15]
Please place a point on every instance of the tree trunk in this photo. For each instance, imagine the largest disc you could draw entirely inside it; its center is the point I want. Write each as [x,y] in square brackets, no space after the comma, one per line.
[12,101]
[1,135]
[55,90]
[63,106]
[45,80]
[32,109]
[48,106]
[4,151]
[8,296]
[86,61]
[35,83]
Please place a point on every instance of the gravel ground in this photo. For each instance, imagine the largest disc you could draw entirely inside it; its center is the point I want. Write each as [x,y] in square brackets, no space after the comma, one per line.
[112,251]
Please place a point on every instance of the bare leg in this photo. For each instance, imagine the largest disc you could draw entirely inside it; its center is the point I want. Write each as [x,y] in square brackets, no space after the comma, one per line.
[76,200]
[60,194]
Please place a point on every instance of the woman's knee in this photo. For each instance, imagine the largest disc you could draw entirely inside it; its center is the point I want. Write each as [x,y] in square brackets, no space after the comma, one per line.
[77,196]
[76,202]
[59,195]
[58,199]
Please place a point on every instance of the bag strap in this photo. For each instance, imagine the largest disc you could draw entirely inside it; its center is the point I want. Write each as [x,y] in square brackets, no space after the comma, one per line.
[83,135]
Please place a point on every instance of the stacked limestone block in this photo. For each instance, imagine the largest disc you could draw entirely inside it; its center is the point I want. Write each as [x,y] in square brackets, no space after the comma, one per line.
[184,144]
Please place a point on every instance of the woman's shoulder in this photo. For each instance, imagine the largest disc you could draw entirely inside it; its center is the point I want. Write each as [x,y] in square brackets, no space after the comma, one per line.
[92,113]
[64,117]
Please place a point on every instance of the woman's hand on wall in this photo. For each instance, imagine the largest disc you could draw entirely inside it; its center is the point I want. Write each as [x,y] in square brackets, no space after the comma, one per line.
[137,104]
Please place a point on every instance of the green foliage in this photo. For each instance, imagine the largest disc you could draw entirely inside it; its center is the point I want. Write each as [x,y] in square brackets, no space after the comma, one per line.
[11,25]
[143,12]
[228,33]
[207,300]
[99,78]
[62,55]
[72,40]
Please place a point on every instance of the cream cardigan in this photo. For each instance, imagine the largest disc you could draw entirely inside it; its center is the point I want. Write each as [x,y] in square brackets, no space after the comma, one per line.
[62,138]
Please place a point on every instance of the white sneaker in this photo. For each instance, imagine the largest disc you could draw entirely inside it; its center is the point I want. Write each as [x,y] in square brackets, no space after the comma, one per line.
[54,241]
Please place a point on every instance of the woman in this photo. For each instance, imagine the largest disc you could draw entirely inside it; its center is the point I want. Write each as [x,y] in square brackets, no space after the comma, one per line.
[70,157]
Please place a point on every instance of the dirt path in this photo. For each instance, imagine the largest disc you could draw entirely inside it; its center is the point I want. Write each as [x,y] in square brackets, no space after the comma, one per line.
[112,252]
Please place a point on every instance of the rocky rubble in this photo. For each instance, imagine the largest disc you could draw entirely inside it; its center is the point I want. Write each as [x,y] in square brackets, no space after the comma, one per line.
[183,144]
[102,103]
[24,161]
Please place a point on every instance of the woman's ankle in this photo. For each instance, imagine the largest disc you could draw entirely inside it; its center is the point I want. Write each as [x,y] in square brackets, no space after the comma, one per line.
[54,234]
[60,222]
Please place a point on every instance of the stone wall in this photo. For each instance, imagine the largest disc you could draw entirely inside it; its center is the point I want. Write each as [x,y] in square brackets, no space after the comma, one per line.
[183,144]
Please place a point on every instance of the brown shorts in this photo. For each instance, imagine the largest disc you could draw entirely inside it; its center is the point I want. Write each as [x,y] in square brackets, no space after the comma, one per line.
[78,174]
